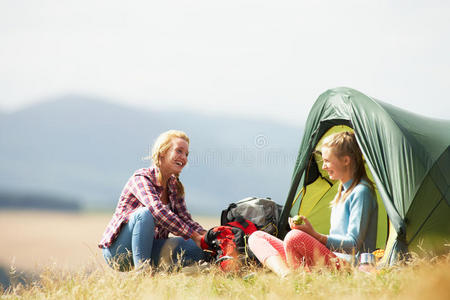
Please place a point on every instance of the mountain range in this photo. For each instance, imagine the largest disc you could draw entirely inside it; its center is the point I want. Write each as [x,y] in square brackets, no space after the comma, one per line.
[84,149]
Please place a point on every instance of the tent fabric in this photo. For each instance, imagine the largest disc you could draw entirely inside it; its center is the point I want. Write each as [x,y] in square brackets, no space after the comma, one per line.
[407,154]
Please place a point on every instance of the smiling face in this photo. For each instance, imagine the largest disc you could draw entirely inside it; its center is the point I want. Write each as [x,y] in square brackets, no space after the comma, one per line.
[174,160]
[338,168]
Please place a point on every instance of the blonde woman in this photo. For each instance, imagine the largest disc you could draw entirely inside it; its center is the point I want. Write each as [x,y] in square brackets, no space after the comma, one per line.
[353,217]
[150,207]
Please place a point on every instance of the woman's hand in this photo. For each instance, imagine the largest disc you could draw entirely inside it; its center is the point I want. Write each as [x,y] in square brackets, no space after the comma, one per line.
[305,226]
[197,238]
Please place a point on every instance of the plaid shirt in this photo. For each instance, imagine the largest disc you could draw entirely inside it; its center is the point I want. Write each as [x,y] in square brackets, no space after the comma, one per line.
[142,190]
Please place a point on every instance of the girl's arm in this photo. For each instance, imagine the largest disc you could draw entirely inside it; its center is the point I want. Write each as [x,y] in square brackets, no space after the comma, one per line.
[308,228]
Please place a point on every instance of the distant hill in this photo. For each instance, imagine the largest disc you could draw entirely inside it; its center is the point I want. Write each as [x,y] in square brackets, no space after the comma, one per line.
[87,148]
[22,200]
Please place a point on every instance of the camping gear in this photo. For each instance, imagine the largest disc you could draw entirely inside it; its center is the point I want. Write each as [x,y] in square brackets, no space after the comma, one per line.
[366,259]
[407,156]
[263,212]
[228,244]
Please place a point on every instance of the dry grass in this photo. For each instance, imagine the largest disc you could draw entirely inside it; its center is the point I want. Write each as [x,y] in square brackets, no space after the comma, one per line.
[88,277]
[419,279]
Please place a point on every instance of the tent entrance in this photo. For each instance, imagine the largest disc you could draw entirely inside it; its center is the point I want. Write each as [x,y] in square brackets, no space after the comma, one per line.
[316,190]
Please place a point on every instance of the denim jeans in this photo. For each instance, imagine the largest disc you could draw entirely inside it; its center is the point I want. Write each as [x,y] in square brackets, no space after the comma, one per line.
[136,244]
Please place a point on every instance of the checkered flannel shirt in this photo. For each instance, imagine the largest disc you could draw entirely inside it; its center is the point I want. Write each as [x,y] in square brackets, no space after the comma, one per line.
[142,190]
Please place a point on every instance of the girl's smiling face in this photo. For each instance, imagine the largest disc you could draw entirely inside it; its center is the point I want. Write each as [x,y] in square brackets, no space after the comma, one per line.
[174,160]
[338,168]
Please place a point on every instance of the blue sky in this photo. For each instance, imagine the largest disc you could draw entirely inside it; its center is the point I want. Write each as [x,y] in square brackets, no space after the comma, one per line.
[264,59]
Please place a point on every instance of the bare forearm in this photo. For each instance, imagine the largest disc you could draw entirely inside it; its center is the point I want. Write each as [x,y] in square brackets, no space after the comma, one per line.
[196,237]
[321,238]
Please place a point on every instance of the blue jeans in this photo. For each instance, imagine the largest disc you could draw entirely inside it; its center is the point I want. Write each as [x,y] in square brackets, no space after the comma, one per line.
[136,244]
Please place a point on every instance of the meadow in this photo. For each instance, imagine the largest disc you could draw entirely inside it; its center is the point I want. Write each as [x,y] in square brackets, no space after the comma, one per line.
[58,252]
[33,241]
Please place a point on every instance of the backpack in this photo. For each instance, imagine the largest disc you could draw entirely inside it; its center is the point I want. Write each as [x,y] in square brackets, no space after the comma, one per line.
[227,244]
[263,212]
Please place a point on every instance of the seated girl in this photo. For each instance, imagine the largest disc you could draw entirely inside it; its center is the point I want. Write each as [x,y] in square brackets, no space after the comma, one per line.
[151,206]
[353,219]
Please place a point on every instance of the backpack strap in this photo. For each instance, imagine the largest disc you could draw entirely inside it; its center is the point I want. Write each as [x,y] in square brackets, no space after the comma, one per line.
[224,215]
[240,219]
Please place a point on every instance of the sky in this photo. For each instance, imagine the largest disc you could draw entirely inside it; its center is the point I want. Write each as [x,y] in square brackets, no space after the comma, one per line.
[259,59]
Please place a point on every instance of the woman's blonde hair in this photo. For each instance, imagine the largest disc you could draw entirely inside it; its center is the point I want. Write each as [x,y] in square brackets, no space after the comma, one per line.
[344,144]
[161,146]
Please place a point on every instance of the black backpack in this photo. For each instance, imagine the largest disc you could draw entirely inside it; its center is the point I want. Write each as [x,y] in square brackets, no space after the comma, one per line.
[263,212]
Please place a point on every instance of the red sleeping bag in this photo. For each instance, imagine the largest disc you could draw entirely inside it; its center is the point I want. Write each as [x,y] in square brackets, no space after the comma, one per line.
[228,243]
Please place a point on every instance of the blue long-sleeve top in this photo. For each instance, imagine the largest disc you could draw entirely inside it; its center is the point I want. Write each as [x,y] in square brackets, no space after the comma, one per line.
[354,221]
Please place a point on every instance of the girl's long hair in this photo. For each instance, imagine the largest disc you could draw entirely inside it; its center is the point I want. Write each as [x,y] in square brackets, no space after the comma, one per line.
[344,144]
[161,146]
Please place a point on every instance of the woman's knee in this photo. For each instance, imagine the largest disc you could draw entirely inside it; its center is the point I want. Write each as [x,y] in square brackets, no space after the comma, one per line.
[191,251]
[294,236]
[177,250]
[264,245]
[142,214]
[255,236]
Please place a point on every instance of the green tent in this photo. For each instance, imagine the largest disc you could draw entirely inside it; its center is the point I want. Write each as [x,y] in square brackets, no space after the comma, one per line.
[407,156]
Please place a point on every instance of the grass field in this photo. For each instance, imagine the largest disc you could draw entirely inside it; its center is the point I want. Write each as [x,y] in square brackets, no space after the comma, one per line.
[34,240]
[60,249]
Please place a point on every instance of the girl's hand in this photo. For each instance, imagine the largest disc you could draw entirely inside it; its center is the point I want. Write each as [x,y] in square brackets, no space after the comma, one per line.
[305,226]
[308,228]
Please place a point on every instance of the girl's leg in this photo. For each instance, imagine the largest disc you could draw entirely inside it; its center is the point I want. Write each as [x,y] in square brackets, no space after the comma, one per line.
[143,235]
[270,252]
[264,245]
[134,243]
[175,250]
[301,247]
[119,255]
[118,258]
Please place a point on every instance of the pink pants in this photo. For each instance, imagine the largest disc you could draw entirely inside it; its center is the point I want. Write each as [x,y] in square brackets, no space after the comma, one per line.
[297,249]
